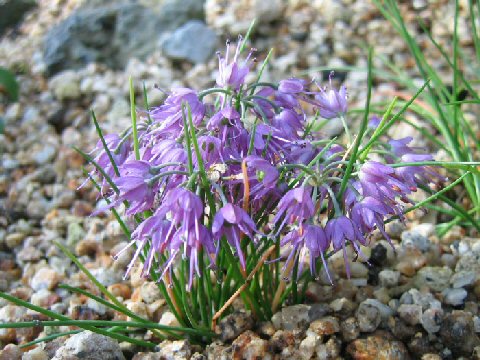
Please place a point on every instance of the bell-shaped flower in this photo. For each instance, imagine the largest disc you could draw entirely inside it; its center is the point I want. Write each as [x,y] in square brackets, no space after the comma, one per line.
[232,73]
[295,206]
[309,240]
[342,230]
[232,221]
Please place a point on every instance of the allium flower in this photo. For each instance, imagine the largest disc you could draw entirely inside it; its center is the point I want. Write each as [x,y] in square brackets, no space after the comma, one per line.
[262,176]
[331,103]
[291,86]
[341,230]
[379,181]
[310,239]
[296,205]
[232,221]
[412,176]
[169,116]
[134,186]
[232,74]
[289,123]
[193,240]
[369,214]
[118,149]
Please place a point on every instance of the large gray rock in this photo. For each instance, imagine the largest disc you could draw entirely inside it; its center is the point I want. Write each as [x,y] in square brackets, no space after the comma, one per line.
[193,41]
[112,32]
[12,11]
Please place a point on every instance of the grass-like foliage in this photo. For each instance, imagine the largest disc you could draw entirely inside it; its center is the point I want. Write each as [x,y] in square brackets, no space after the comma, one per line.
[444,105]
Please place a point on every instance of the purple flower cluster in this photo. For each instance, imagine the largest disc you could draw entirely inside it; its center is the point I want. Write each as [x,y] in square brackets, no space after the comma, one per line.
[241,165]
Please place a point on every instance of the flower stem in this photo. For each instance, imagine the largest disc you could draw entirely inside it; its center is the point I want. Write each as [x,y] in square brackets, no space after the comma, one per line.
[347,130]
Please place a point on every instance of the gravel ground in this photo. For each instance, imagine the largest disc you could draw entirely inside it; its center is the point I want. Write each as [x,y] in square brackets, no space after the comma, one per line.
[421,303]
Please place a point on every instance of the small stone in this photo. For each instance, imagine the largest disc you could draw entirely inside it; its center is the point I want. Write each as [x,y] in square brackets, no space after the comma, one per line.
[89,346]
[234,324]
[436,278]
[431,357]
[293,317]
[183,44]
[107,277]
[476,324]
[358,270]
[388,278]
[382,295]
[385,311]
[13,240]
[308,345]
[75,233]
[378,255]
[411,314]
[66,85]
[454,297]
[368,317]
[343,307]
[330,350]
[140,308]
[463,278]
[413,238]
[249,346]
[377,347]
[174,350]
[120,290]
[44,298]
[35,354]
[349,328]
[45,278]
[432,320]
[44,155]
[11,352]
[325,326]
[10,313]
[458,333]
[150,292]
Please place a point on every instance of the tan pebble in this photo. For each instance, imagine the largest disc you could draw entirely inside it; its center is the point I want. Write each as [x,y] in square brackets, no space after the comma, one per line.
[45,278]
[35,354]
[51,215]
[137,296]
[406,268]
[13,240]
[86,247]
[139,308]
[325,326]
[249,346]
[120,290]
[11,352]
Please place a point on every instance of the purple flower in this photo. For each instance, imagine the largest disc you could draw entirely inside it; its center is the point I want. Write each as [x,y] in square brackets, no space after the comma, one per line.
[118,149]
[310,239]
[296,205]
[370,213]
[340,230]
[379,181]
[232,221]
[289,123]
[374,122]
[231,74]
[134,186]
[331,102]
[193,240]
[291,86]
[412,176]
[169,116]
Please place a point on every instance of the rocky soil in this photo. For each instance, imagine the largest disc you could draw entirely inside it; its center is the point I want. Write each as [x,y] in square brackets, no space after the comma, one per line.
[73,55]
